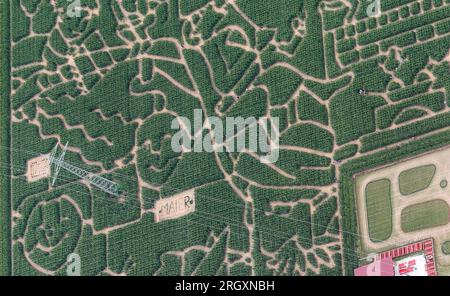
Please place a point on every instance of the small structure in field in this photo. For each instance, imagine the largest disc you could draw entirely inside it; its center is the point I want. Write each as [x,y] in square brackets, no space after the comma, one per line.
[38,168]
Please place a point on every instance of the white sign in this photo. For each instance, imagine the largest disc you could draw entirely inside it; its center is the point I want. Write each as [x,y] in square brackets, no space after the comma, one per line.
[175,206]
[38,168]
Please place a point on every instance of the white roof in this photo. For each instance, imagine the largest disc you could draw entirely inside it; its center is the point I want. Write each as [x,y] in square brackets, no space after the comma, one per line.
[411,266]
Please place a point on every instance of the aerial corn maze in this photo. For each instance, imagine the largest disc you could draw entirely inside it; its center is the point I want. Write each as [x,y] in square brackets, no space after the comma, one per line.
[90,92]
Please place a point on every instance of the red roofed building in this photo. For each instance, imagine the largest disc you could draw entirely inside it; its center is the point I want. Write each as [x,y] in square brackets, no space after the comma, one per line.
[416,259]
[383,267]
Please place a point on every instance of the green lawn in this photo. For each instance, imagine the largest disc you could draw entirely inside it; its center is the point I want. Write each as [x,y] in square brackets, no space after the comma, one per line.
[425,215]
[416,179]
[446,247]
[379,209]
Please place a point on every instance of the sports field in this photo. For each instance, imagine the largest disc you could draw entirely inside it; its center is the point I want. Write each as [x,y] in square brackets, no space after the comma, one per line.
[379,209]
[114,158]
[415,179]
[425,215]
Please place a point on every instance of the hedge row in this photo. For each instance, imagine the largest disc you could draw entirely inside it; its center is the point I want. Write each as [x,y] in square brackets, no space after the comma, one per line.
[432,101]
[5,117]
[410,114]
[382,139]
[345,152]
[403,26]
